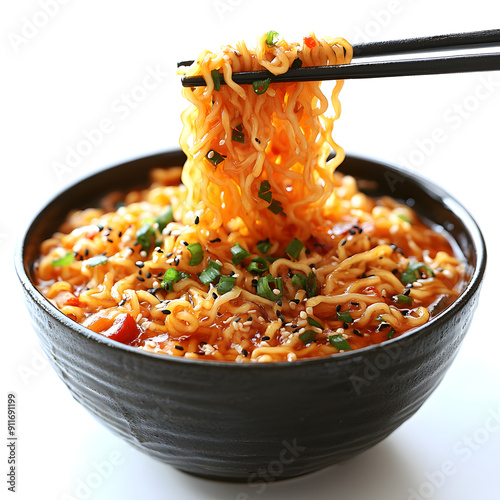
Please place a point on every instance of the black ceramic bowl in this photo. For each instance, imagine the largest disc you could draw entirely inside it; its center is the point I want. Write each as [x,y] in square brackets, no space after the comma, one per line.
[262,421]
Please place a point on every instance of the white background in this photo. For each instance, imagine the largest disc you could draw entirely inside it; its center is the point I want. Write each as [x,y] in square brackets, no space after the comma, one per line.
[76,68]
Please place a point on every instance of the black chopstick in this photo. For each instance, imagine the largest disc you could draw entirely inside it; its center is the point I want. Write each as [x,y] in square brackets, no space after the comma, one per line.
[454,41]
[429,66]
[433,66]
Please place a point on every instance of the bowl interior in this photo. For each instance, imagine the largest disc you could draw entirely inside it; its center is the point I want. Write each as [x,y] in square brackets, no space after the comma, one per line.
[374,178]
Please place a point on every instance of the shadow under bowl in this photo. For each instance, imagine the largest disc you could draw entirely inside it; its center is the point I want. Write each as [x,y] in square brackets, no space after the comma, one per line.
[243,422]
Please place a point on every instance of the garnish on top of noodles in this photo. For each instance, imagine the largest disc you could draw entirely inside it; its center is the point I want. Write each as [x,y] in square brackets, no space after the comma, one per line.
[262,253]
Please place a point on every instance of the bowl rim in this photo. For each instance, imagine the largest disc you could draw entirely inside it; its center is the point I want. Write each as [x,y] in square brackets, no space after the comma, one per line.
[425,183]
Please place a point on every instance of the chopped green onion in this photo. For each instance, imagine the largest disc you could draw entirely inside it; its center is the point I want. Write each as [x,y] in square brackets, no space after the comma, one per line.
[271,260]
[216,78]
[264,289]
[196,254]
[96,261]
[211,273]
[172,276]
[403,217]
[214,158]
[265,191]
[307,336]
[225,284]
[307,282]
[315,323]
[238,135]
[339,342]
[404,300]
[391,333]
[63,261]
[410,275]
[261,83]
[165,219]
[276,207]
[239,254]
[264,246]
[294,247]
[145,235]
[345,316]
[270,38]
[258,266]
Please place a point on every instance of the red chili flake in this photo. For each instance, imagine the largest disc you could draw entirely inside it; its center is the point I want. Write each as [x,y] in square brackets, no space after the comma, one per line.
[310,41]
[72,301]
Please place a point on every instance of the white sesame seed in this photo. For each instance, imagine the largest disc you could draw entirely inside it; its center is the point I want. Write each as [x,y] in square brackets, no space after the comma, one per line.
[340,330]
[276,291]
[139,317]
[292,305]
[447,273]
[303,314]
[210,154]
[222,142]
[143,253]
[309,311]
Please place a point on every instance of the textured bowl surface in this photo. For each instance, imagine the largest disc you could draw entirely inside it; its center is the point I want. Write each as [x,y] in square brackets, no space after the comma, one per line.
[246,422]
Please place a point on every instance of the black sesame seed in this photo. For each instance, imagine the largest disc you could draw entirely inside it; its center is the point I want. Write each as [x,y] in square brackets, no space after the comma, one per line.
[120,234]
[393,246]
[140,271]
[169,255]
[86,252]
[140,278]
[338,308]
[249,318]
[236,320]
[343,242]
[176,261]
[355,304]
[394,271]
[197,220]
[345,326]
[231,273]
[265,337]
[244,352]
[352,231]
[257,140]
[407,292]
[200,353]
[179,347]
[185,243]
[166,311]
[122,302]
[279,303]
[160,274]
[216,240]
[215,296]
[382,326]
[140,264]
[356,332]
[152,291]
[405,312]
[148,275]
